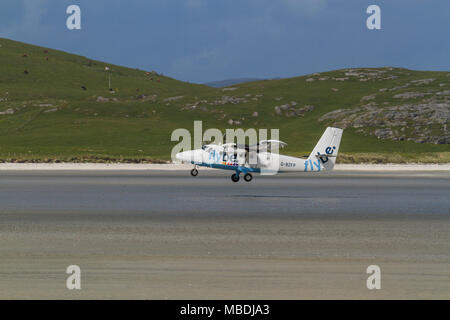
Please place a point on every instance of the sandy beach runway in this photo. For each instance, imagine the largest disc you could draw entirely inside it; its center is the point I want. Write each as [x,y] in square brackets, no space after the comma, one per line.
[165,235]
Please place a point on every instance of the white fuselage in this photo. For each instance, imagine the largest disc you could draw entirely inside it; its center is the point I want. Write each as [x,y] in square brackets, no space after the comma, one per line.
[216,157]
[247,159]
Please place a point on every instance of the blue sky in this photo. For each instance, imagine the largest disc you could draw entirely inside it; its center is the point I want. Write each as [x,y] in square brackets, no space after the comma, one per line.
[206,40]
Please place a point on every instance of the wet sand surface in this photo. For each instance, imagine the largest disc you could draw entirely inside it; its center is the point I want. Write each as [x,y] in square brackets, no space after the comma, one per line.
[166,235]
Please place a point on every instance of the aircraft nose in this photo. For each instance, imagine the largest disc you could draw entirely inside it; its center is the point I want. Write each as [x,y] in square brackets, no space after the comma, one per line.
[180,156]
[183,156]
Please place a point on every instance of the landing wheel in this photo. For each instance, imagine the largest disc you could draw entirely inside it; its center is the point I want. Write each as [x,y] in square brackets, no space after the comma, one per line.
[194,172]
[235,177]
[248,177]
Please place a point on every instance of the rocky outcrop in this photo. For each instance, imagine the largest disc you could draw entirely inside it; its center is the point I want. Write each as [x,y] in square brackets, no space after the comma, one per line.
[103,99]
[426,122]
[410,95]
[8,111]
[422,81]
[359,75]
[228,100]
[290,110]
[367,98]
[144,97]
[51,110]
[43,105]
[234,122]
[224,100]
[173,98]
[419,82]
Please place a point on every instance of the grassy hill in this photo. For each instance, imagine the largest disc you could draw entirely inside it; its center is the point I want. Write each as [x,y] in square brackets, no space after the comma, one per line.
[58,106]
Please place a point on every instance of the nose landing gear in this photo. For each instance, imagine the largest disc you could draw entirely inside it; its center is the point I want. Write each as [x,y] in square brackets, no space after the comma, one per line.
[194,172]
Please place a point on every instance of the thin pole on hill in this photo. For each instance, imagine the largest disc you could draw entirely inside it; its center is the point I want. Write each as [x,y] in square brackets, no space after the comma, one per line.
[109,77]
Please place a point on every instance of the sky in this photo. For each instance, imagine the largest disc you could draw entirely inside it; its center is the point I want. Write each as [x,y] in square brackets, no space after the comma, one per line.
[207,40]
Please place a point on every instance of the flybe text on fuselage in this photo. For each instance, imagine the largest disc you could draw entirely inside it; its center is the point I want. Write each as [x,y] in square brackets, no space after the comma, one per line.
[225,158]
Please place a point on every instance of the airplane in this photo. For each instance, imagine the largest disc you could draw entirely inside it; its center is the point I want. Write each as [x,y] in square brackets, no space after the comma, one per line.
[258,158]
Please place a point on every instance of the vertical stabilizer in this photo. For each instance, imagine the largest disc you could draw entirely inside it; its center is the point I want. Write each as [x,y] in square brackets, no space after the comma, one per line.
[326,150]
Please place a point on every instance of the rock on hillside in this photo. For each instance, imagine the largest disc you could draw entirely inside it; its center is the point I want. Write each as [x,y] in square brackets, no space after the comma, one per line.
[425,122]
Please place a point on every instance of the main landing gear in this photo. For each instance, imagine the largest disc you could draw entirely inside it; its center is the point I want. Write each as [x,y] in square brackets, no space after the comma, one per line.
[194,172]
[247,177]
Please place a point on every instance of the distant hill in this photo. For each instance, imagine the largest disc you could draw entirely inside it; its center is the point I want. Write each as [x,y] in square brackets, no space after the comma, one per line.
[55,106]
[229,82]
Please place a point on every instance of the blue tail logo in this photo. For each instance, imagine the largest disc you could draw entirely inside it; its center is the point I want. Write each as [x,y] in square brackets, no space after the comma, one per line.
[330,150]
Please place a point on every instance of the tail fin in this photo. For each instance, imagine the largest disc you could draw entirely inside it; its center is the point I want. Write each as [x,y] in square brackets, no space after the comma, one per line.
[327,148]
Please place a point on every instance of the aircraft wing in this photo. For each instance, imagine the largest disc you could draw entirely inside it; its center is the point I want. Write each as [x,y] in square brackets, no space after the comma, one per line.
[265,145]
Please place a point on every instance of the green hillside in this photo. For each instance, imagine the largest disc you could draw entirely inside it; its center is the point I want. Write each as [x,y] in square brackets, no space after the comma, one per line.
[58,106]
